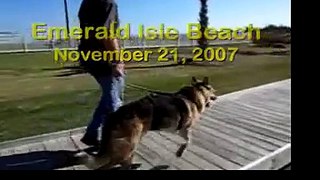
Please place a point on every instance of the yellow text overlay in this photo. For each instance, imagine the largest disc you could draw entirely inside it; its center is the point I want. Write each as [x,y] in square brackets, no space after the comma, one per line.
[40,31]
[160,55]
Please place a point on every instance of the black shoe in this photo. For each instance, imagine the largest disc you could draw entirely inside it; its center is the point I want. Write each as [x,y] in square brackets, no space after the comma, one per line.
[89,141]
[93,150]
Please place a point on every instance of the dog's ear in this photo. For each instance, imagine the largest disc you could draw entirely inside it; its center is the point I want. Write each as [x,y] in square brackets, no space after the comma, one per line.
[194,81]
[206,80]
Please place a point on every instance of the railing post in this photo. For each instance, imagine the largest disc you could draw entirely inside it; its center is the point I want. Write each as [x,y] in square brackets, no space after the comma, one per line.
[24,44]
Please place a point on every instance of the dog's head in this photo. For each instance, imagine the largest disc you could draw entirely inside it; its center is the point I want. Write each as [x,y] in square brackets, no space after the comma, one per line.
[206,90]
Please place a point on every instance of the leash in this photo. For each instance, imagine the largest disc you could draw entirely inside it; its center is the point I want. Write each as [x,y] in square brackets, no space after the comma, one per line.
[149,90]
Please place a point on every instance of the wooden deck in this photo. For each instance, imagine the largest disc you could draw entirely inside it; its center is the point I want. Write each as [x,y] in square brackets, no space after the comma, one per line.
[249,129]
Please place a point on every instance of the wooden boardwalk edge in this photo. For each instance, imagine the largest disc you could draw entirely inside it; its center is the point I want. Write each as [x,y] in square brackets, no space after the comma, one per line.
[272,161]
[39,138]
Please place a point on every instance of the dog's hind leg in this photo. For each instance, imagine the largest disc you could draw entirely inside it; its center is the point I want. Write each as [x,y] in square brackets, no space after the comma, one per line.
[129,165]
[186,135]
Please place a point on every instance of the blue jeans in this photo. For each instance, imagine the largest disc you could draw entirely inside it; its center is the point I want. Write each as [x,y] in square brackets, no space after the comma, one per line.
[111,99]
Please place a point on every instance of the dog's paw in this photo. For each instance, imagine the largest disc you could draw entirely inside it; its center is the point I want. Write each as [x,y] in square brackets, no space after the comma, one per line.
[160,167]
[130,167]
[181,150]
[135,166]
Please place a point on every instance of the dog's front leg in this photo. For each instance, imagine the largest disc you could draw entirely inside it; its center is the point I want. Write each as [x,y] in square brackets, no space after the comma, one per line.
[186,135]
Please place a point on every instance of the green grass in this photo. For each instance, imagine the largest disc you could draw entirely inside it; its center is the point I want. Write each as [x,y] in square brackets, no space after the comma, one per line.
[33,102]
[48,113]
[26,62]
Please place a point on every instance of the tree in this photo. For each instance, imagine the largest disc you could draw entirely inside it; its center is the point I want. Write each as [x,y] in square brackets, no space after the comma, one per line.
[204,21]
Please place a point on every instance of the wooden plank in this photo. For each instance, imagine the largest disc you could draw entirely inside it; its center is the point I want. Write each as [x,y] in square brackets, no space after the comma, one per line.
[66,168]
[168,156]
[272,161]
[152,157]
[273,120]
[76,140]
[79,167]
[279,91]
[39,138]
[276,122]
[64,143]
[17,150]
[221,148]
[277,96]
[145,165]
[262,104]
[149,155]
[260,137]
[264,95]
[137,159]
[7,151]
[187,156]
[257,129]
[248,119]
[238,143]
[282,98]
[224,107]
[34,147]
[205,154]
[236,134]
[266,113]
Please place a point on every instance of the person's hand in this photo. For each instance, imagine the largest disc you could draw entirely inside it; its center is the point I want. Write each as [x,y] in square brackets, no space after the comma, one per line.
[118,69]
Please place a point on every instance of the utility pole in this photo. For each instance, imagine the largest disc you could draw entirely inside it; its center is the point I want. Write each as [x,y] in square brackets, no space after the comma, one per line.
[67,20]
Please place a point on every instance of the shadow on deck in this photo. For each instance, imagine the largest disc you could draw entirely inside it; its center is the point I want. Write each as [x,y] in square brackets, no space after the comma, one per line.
[51,160]
[39,160]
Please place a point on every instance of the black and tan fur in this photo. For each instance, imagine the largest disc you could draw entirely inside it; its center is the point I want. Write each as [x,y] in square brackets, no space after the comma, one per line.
[177,112]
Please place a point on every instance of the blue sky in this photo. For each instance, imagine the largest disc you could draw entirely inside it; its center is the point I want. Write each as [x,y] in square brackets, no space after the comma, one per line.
[18,15]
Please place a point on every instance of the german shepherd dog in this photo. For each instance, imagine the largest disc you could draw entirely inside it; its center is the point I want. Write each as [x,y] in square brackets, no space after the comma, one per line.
[177,113]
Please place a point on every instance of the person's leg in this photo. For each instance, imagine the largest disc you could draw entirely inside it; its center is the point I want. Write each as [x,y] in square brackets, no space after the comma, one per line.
[119,86]
[111,100]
